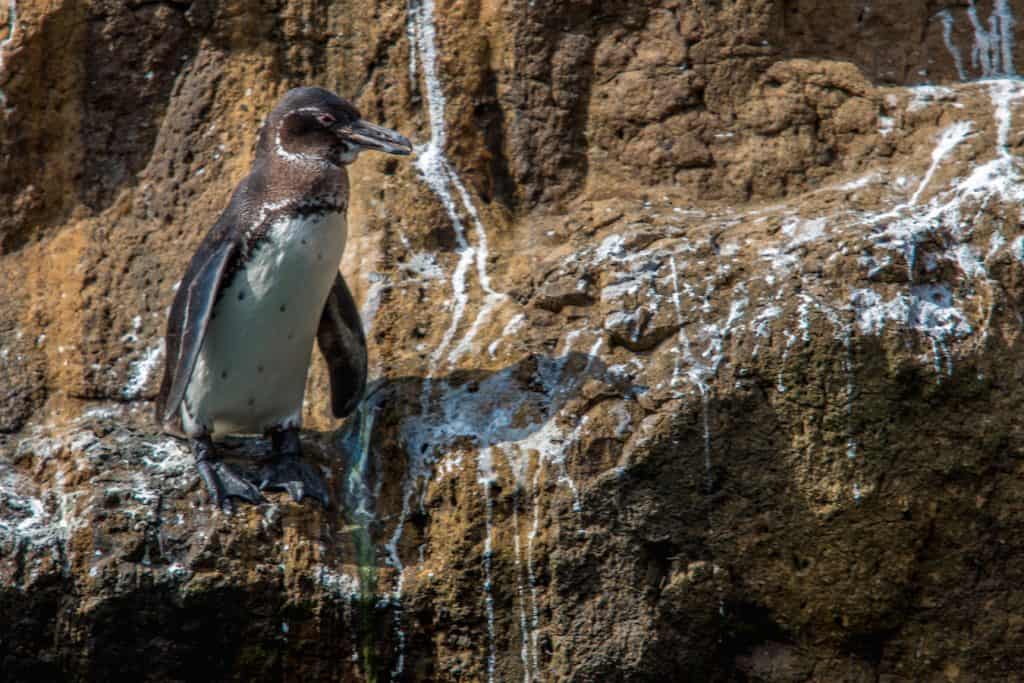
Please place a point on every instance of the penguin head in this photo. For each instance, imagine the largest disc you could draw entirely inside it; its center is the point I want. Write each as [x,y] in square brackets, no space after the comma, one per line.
[315,125]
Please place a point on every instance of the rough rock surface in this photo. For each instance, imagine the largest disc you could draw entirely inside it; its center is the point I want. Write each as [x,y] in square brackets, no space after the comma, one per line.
[695,329]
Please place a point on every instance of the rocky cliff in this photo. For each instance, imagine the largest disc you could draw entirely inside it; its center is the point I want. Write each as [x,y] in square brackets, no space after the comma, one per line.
[694,330]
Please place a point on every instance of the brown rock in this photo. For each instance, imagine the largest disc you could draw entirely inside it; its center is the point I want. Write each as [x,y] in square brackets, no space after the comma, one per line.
[707,370]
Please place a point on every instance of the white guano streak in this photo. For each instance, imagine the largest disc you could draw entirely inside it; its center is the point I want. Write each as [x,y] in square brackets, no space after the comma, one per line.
[946,17]
[492,658]
[992,51]
[378,283]
[12,24]
[948,141]
[440,175]
[524,628]
[682,341]
[141,370]
[993,47]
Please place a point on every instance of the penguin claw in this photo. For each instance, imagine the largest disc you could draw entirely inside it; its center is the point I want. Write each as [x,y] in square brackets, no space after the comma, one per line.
[299,479]
[223,484]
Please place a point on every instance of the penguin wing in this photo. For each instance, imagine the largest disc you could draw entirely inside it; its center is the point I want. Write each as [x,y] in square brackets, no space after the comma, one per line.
[343,345]
[186,326]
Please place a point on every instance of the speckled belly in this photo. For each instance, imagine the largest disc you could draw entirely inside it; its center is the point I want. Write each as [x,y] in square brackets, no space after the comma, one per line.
[251,371]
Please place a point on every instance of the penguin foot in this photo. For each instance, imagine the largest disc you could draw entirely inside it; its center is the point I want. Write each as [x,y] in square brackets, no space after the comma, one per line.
[222,482]
[299,479]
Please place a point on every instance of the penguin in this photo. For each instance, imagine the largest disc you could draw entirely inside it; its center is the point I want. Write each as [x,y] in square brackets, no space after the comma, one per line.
[263,284]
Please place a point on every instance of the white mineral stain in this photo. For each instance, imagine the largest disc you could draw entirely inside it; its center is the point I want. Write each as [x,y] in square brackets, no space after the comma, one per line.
[948,140]
[141,371]
[12,29]
[946,17]
[378,283]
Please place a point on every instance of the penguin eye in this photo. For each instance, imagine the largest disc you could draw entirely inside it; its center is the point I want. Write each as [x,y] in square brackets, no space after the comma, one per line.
[325,119]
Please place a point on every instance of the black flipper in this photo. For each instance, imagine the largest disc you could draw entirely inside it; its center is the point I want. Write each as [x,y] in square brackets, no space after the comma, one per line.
[343,345]
[190,316]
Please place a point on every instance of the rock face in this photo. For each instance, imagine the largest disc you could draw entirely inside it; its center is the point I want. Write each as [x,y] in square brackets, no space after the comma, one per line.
[695,329]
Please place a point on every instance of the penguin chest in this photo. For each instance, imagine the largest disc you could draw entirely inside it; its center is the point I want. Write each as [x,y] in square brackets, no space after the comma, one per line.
[252,367]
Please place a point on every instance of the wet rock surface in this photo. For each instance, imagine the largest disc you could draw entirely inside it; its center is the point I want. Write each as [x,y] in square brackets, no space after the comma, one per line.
[694,331]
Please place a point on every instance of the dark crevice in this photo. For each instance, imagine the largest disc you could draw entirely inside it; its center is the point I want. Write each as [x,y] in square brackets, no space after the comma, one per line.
[489,118]
[748,625]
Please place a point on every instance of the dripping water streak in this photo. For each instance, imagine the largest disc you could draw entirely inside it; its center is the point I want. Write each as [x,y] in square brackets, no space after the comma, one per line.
[524,631]
[790,340]
[359,504]
[530,569]
[563,472]
[481,254]
[1005,14]
[851,441]
[946,17]
[412,35]
[993,46]
[356,490]
[426,44]
[681,334]
[393,559]
[981,54]
[478,226]
[488,595]
[435,175]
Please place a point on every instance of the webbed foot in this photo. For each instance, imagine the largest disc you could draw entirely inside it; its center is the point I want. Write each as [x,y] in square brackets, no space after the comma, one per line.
[288,473]
[221,480]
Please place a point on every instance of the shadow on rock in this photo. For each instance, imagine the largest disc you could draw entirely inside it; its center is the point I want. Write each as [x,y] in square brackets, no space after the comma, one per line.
[406,424]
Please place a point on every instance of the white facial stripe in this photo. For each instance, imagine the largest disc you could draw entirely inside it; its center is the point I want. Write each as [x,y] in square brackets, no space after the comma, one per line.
[295,157]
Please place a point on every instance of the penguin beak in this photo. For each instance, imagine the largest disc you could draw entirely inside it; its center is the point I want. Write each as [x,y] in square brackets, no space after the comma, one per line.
[371,136]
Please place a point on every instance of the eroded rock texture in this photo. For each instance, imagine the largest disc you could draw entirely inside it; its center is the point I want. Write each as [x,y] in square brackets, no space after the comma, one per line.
[695,329]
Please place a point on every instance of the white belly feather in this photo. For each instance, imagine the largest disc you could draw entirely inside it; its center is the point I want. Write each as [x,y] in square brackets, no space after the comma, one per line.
[251,371]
